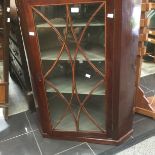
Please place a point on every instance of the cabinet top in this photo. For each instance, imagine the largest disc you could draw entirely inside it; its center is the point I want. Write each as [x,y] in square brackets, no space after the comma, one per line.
[57,2]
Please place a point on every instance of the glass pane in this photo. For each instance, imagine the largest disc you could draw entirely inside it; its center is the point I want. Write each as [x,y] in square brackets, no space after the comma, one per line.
[89,68]
[60,78]
[72,50]
[61,115]
[87,80]
[93,114]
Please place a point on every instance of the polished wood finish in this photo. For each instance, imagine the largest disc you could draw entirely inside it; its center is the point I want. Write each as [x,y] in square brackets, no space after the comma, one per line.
[121,50]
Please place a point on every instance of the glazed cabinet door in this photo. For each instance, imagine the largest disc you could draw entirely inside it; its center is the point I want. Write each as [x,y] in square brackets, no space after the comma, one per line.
[71,41]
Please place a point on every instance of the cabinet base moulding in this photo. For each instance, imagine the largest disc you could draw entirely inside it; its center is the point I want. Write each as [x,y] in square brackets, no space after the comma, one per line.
[103,140]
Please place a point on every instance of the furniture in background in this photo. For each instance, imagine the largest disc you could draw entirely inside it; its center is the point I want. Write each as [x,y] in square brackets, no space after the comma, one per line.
[145,82]
[4,30]
[81,56]
[18,65]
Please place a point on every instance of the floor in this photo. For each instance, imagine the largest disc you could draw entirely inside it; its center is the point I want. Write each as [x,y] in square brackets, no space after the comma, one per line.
[16,104]
[20,135]
[147,147]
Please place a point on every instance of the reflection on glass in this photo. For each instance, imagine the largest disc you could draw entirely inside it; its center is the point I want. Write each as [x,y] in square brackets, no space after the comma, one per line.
[72,51]
[93,110]
[62,116]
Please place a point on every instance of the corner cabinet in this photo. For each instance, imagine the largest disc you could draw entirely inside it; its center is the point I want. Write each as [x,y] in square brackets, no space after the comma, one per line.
[82,57]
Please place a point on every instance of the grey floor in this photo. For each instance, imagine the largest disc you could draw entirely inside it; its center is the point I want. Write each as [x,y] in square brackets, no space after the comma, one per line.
[17,100]
[146,147]
[20,135]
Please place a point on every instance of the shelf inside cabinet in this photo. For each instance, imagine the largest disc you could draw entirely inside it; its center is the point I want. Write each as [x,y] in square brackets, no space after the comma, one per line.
[93,54]
[64,85]
[60,22]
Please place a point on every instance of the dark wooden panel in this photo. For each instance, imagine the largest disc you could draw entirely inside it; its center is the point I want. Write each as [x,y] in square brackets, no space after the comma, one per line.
[124,55]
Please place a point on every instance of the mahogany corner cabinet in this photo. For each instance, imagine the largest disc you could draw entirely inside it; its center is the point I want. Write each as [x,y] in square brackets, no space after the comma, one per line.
[82,56]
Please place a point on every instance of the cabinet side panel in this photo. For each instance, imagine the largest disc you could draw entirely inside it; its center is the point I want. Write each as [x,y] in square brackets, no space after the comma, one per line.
[125,58]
